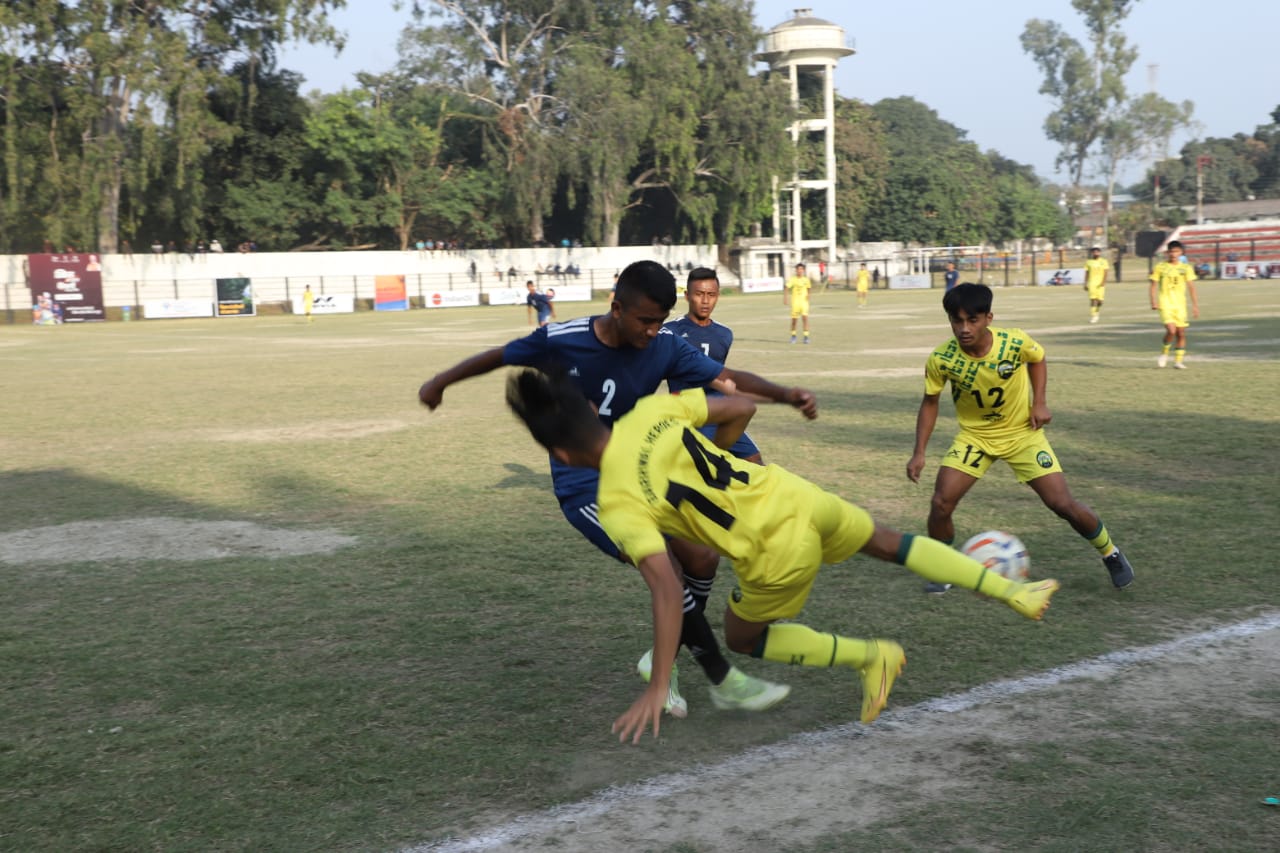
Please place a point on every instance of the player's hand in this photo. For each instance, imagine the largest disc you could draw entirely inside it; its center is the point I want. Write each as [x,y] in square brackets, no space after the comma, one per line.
[914,466]
[1195,311]
[803,400]
[643,713]
[1040,416]
[725,386]
[431,393]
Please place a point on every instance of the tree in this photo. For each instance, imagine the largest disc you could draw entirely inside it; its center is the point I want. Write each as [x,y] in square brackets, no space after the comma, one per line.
[1086,86]
[862,162]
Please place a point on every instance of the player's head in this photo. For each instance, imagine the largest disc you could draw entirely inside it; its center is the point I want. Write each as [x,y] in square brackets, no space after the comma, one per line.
[529,285]
[862,266]
[1095,251]
[1175,249]
[702,292]
[799,269]
[642,299]
[967,299]
[968,308]
[553,408]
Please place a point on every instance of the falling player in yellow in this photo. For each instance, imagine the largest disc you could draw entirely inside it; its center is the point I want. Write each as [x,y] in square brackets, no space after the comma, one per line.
[659,477]
[796,294]
[1171,283]
[863,283]
[998,384]
[1096,270]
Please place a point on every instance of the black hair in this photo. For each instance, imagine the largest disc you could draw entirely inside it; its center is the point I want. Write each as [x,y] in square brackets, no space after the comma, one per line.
[649,279]
[967,298]
[553,408]
[1174,243]
[702,274]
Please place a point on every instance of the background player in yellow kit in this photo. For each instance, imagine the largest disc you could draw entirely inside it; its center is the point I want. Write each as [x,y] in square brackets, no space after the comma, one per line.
[1096,271]
[659,477]
[796,294]
[863,283]
[1171,283]
[998,384]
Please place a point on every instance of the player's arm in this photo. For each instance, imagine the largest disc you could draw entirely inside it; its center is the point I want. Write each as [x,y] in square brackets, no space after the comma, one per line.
[1152,293]
[529,311]
[432,391]
[731,416]
[926,420]
[1038,373]
[750,383]
[1195,302]
[667,594]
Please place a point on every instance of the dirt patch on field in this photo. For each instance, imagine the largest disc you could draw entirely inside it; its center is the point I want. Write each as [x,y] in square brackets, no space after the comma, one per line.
[854,776]
[162,539]
[310,432]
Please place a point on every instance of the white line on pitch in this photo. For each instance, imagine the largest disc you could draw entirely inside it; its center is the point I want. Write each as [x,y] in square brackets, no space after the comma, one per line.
[799,745]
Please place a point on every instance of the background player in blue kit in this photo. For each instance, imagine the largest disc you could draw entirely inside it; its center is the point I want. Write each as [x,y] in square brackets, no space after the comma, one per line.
[540,303]
[615,359]
[702,292]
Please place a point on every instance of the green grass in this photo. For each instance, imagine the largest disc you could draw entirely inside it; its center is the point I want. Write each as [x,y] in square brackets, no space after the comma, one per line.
[463,662]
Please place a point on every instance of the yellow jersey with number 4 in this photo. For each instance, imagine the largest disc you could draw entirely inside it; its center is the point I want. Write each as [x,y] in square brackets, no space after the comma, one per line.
[659,475]
[992,394]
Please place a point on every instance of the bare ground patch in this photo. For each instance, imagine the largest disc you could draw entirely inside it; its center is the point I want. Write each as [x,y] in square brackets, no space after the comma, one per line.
[162,538]
[853,777]
[310,431]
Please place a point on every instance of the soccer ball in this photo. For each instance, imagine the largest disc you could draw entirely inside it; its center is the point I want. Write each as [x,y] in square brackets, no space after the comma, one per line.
[1001,552]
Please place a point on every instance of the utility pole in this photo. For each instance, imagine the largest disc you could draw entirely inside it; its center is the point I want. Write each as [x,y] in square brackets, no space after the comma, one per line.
[1201,161]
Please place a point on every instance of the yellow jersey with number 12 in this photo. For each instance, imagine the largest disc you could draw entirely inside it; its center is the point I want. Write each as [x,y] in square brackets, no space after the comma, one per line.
[993,393]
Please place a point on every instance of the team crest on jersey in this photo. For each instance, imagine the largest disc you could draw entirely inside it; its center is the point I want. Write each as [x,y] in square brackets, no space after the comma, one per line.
[1044,460]
[1005,369]
[736,595]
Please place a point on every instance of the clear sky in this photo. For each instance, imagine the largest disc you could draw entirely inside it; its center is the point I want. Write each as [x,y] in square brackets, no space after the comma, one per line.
[963,60]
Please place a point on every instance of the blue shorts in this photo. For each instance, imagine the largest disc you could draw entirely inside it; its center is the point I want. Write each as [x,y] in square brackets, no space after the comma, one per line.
[583,513]
[544,317]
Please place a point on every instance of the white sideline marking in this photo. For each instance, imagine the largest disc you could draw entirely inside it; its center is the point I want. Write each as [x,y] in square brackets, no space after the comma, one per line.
[799,745]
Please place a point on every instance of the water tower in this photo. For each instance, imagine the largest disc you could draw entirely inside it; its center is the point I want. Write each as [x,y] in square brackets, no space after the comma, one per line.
[807,50]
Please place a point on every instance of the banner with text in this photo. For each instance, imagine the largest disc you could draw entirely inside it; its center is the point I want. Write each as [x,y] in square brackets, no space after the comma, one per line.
[451,298]
[1055,276]
[65,288]
[235,297]
[390,293]
[343,303]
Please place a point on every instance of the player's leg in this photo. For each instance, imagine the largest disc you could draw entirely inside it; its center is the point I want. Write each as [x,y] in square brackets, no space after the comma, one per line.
[1056,495]
[1170,335]
[1180,345]
[804,318]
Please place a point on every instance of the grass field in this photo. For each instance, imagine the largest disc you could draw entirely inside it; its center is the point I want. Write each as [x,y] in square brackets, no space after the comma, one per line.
[460,660]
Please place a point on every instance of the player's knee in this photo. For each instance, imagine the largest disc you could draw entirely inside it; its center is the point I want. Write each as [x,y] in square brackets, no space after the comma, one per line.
[941,506]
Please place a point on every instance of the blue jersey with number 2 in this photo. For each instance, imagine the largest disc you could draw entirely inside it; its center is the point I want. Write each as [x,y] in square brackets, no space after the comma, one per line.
[613,378]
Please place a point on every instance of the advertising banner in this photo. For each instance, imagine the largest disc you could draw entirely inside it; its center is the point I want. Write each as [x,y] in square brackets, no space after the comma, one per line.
[169,309]
[571,293]
[343,303]
[235,298]
[502,295]
[390,293]
[910,281]
[65,288]
[761,285]
[1054,276]
[452,298]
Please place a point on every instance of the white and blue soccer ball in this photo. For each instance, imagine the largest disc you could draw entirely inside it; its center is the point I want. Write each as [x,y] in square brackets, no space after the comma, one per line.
[1000,552]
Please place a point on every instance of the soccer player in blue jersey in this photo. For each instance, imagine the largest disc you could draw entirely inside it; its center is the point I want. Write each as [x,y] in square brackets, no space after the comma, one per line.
[615,359]
[539,303]
[702,292]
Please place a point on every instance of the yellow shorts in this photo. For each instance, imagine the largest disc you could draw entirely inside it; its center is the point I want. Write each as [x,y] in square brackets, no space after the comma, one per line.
[1175,315]
[799,308]
[1098,292]
[1030,456]
[776,584]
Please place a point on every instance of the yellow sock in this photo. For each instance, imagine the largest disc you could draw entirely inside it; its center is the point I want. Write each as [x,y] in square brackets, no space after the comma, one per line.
[936,562]
[1164,350]
[800,645]
[1101,540]
[1178,355]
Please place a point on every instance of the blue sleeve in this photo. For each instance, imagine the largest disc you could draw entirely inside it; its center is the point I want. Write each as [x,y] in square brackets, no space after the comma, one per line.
[529,351]
[690,367]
